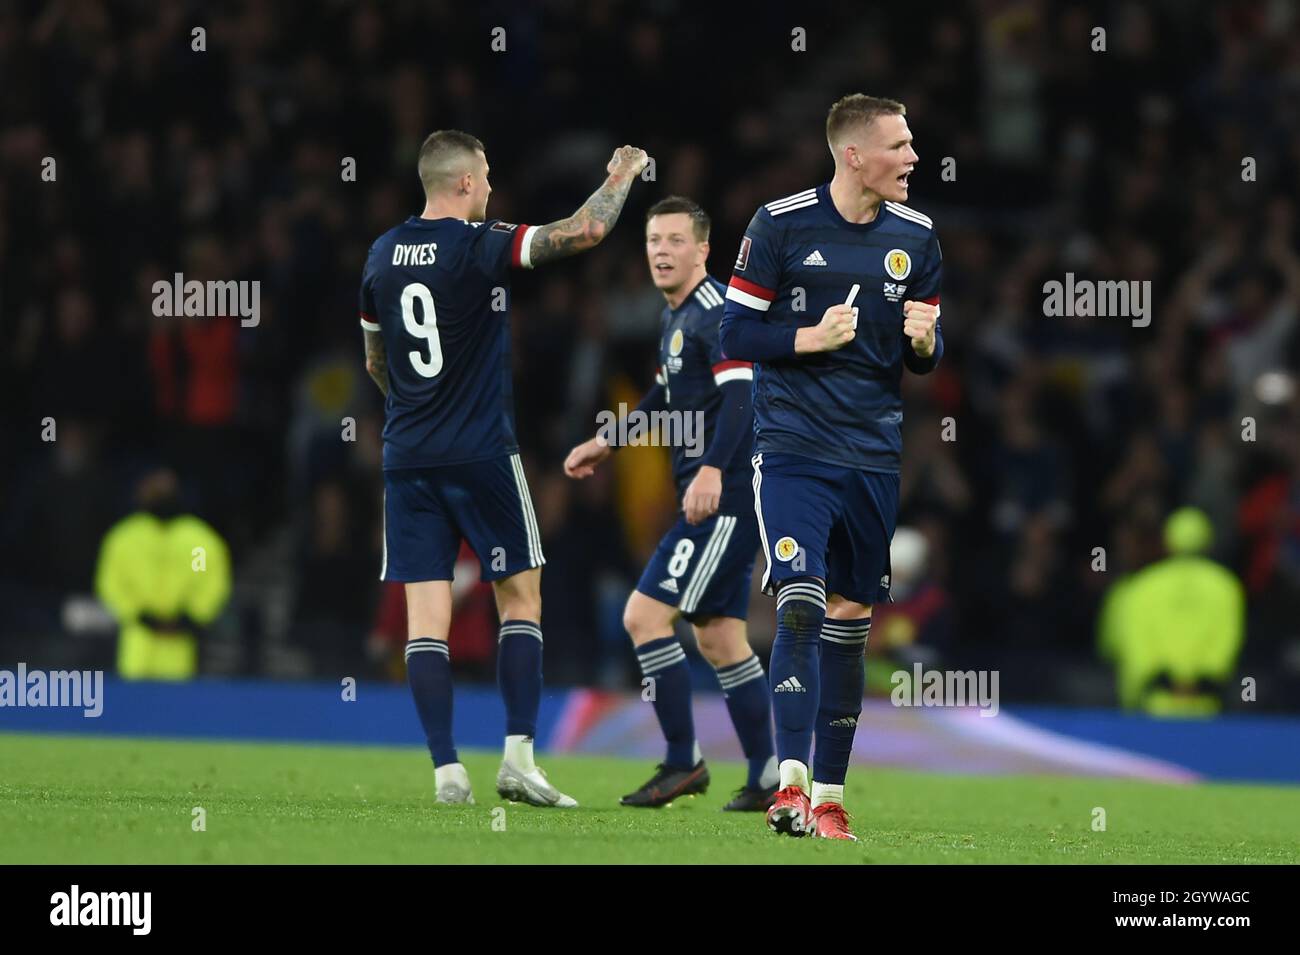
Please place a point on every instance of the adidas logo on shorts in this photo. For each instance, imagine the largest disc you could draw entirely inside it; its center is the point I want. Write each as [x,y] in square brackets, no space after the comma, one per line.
[670,584]
[845,721]
[790,685]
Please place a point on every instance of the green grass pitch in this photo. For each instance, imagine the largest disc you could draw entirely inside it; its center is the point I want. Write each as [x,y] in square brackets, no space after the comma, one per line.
[77,800]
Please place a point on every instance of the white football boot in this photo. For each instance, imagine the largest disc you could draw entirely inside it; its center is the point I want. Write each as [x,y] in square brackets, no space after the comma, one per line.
[531,787]
[453,784]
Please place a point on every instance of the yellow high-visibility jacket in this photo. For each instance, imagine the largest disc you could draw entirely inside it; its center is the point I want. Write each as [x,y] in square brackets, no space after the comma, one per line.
[165,568]
[1183,616]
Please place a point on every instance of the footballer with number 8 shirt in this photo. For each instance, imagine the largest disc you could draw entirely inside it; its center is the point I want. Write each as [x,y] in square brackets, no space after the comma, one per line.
[435,307]
[703,566]
[835,291]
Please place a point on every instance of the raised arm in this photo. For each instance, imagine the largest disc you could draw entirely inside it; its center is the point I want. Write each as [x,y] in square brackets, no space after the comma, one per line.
[591,223]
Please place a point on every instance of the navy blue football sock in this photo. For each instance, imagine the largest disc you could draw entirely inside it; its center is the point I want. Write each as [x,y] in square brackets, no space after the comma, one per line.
[519,674]
[664,662]
[428,669]
[800,610]
[843,680]
[745,687]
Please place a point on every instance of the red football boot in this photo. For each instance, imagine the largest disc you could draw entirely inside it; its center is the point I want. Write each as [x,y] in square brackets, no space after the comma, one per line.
[790,812]
[830,821]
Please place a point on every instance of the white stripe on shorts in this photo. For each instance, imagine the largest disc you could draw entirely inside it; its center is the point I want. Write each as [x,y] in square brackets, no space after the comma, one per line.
[757,461]
[708,564]
[530,519]
[383,526]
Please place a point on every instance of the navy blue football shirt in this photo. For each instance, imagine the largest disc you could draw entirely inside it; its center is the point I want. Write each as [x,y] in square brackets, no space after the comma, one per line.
[799,257]
[693,369]
[438,290]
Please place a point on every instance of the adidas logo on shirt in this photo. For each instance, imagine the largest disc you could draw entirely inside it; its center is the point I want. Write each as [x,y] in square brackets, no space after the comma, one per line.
[790,685]
[815,258]
[845,721]
[669,585]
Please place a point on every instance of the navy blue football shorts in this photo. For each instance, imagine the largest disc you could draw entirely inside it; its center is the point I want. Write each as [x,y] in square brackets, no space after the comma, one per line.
[704,570]
[428,510]
[827,521]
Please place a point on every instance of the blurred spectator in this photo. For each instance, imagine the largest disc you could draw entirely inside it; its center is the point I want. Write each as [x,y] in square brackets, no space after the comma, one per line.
[1270,526]
[473,635]
[1174,630]
[915,626]
[164,576]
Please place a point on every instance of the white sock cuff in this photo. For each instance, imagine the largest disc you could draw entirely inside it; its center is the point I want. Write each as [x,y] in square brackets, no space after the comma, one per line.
[519,753]
[827,792]
[454,772]
[521,627]
[793,773]
[652,661]
[733,675]
[807,589]
[427,645]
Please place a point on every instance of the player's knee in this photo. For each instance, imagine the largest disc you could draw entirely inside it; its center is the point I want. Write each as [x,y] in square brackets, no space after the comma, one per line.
[712,646]
[636,624]
[631,622]
[801,617]
[722,646]
[520,605]
[519,597]
[800,613]
[642,623]
[838,608]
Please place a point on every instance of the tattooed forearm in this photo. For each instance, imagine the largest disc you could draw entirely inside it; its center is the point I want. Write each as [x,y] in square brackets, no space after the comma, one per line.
[585,228]
[377,360]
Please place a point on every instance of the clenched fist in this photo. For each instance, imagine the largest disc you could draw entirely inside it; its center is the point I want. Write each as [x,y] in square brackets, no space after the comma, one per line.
[918,324]
[628,161]
[834,331]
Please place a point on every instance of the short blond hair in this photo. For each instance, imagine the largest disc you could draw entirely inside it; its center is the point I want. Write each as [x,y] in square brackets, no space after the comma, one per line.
[858,110]
[443,158]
